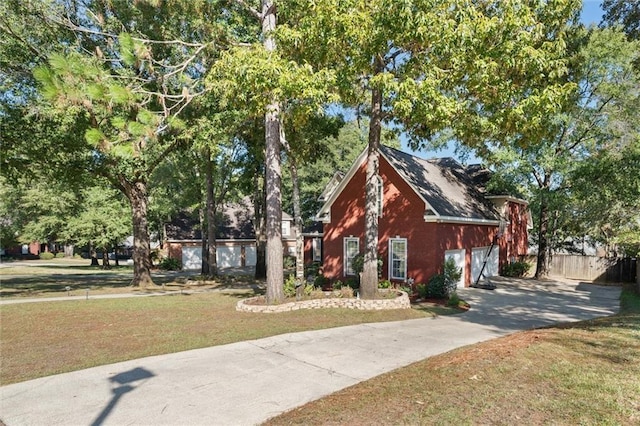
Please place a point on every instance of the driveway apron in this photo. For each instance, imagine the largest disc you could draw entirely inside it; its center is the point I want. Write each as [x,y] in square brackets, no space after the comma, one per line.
[248,382]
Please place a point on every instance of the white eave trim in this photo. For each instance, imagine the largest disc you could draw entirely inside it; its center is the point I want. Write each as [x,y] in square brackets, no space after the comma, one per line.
[313,234]
[462,220]
[218,240]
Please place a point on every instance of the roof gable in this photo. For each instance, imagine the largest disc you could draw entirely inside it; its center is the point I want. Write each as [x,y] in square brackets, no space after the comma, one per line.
[444,184]
[449,190]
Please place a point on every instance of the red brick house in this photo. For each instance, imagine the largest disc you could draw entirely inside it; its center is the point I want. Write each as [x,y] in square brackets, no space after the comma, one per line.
[429,210]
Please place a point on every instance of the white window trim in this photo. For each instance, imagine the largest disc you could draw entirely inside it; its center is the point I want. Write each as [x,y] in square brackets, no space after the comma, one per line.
[286,228]
[380,195]
[346,262]
[406,252]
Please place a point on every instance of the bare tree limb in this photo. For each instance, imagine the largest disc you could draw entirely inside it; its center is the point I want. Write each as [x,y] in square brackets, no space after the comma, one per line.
[250,9]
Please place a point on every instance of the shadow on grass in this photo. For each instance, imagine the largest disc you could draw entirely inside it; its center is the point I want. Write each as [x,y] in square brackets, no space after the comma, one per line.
[45,284]
[434,309]
[63,283]
[617,331]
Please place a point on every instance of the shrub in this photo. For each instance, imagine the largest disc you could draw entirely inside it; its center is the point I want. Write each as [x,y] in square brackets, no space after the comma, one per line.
[451,275]
[454,300]
[338,285]
[422,290]
[515,269]
[384,284]
[59,255]
[170,264]
[343,292]
[288,262]
[437,288]
[47,255]
[353,283]
[290,287]
[312,269]
[321,281]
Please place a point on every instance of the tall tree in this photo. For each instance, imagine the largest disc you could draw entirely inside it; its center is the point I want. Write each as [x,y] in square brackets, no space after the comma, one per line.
[101,222]
[258,78]
[252,181]
[133,70]
[606,198]
[625,13]
[305,143]
[477,68]
[600,116]
[38,210]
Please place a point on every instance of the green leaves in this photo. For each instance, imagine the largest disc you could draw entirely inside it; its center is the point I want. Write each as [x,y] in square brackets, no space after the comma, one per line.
[127,49]
[249,77]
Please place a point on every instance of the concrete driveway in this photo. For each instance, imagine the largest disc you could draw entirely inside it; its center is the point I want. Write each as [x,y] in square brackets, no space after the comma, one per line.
[248,382]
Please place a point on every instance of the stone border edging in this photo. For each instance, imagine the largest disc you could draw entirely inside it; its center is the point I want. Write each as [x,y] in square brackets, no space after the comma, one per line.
[400,302]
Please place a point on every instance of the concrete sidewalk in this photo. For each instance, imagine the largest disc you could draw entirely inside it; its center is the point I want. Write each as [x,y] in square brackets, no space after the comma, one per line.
[248,382]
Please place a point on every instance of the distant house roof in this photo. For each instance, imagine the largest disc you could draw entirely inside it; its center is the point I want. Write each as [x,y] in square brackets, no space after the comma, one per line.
[237,221]
[450,191]
[234,223]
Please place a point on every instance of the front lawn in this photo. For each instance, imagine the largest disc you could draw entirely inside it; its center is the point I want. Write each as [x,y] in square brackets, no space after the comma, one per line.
[40,339]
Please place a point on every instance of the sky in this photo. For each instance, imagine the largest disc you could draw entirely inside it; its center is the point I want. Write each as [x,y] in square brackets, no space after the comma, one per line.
[591,15]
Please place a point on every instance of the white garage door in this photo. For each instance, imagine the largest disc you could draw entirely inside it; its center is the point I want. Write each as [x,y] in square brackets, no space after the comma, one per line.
[191,258]
[478,256]
[458,257]
[251,258]
[229,257]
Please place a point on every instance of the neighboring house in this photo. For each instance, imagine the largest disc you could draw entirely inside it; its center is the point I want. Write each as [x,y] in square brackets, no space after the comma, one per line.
[235,237]
[428,210]
[24,250]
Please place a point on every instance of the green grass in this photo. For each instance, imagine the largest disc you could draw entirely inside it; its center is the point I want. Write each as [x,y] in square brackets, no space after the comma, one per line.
[40,339]
[583,373]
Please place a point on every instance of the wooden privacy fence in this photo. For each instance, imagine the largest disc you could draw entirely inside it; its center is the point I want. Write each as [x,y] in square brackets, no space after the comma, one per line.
[593,268]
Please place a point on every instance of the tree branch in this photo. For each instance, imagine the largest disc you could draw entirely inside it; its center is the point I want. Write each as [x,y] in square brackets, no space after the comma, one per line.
[251,10]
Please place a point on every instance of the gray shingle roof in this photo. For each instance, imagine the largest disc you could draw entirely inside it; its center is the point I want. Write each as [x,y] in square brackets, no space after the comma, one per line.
[445,184]
[235,222]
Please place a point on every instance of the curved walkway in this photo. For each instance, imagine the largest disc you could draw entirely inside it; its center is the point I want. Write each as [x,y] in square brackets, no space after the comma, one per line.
[248,382]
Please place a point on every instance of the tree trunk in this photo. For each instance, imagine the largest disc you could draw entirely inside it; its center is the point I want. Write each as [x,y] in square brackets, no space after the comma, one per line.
[115,253]
[275,273]
[137,194]
[93,255]
[211,220]
[204,245]
[542,267]
[105,259]
[297,220]
[260,226]
[369,280]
